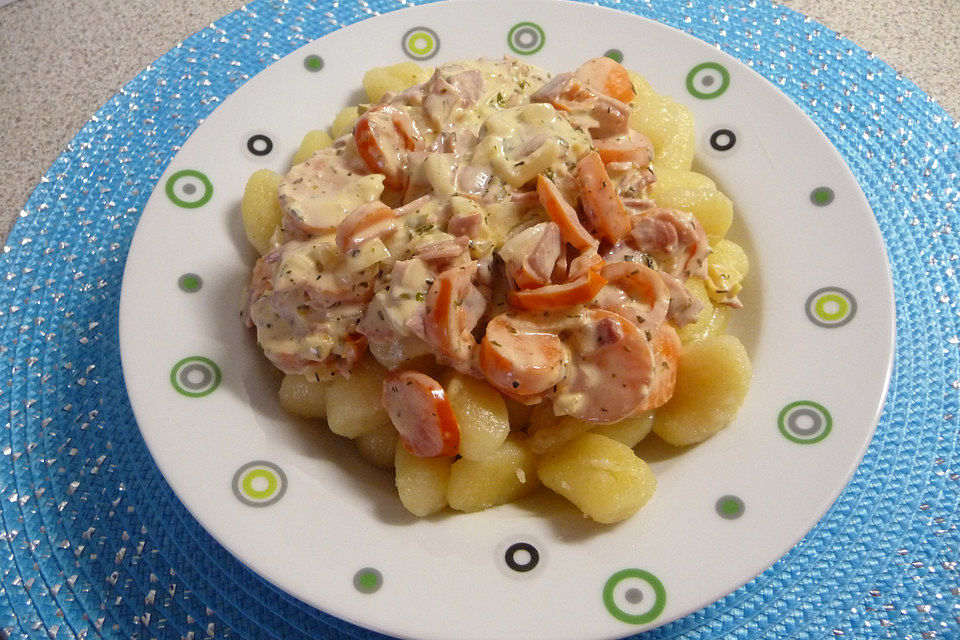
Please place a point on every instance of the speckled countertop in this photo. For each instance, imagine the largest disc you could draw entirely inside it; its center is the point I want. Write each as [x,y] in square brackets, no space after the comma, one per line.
[60,60]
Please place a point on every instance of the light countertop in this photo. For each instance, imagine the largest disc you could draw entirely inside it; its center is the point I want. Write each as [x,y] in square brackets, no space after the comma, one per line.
[61,60]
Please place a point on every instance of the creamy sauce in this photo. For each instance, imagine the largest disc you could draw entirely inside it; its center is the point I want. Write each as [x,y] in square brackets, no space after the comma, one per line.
[455,162]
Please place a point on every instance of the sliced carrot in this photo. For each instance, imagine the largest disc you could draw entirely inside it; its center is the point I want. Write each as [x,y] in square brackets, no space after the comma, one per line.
[422,414]
[563,215]
[666,349]
[606,76]
[383,136]
[632,146]
[585,262]
[368,221]
[521,358]
[644,286]
[553,297]
[601,204]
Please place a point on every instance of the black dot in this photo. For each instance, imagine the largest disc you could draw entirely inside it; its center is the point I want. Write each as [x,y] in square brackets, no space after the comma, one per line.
[259,144]
[723,139]
[530,563]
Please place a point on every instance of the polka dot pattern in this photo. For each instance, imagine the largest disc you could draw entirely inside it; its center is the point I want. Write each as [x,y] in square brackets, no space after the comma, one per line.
[188,188]
[421,43]
[259,483]
[190,283]
[831,307]
[805,422]
[708,80]
[526,38]
[195,376]
[634,596]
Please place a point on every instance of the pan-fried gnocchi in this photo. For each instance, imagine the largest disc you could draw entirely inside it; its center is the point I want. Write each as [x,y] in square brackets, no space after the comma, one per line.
[494,280]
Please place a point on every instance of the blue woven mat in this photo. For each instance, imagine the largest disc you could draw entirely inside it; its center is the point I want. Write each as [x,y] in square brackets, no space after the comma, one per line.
[94,542]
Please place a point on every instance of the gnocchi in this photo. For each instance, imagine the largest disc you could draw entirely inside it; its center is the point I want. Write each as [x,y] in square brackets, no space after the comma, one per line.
[491,281]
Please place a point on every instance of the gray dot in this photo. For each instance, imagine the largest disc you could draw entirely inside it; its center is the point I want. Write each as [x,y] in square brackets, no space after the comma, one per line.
[206,376]
[526,38]
[189,188]
[793,421]
[633,595]
[707,81]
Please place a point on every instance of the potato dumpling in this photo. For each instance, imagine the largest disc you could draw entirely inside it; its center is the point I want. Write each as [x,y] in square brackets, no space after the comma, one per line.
[505,475]
[421,482]
[353,404]
[304,396]
[712,319]
[379,447]
[642,88]
[603,477]
[397,77]
[481,415]
[553,434]
[670,127]
[712,208]
[712,381]
[629,431]
[260,208]
[668,179]
[344,121]
[311,143]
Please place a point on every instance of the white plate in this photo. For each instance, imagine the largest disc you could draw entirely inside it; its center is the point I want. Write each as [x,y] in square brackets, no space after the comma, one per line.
[298,505]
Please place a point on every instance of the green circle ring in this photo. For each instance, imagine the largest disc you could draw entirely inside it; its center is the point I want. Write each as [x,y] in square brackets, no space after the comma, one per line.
[659,591]
[724,80]
[189,173]
[217,376]
[425,50]
[827,419]
[843,307]
[517,27]
[247,484]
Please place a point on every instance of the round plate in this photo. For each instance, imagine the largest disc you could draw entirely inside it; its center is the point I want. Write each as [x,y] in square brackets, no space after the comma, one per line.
[300,507]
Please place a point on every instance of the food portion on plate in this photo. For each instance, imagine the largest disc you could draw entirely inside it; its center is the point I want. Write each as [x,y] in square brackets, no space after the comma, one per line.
[491,278]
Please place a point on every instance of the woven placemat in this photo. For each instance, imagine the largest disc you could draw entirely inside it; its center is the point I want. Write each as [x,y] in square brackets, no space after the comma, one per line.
[97,545]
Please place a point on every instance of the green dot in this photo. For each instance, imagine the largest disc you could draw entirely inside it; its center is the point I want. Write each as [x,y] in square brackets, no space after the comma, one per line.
[841,310]
[821,196]
[614,54]
[259,494]
[313,63]
[367,580]
[730,507]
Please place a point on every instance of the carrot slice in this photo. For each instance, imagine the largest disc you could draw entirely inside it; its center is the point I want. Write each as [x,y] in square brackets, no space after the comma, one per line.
[553,297]
[383,136]
[419,409]
[368,221]
[601,204]
[563,215]
[521,358]
[606,76]
[666,349]
[632,146]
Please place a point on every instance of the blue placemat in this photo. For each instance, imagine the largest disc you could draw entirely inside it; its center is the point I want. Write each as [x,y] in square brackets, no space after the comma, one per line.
[94,542]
